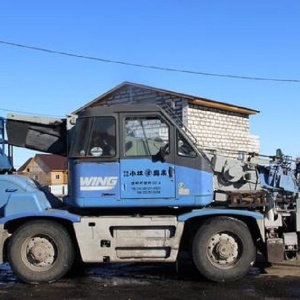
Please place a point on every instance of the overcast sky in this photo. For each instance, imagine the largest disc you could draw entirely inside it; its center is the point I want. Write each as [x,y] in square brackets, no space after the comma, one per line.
[257,39]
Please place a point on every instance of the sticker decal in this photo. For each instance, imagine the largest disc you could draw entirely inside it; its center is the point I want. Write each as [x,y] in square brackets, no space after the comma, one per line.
[182,190]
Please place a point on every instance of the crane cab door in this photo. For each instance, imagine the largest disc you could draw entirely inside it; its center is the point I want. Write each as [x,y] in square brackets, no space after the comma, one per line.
[146,163]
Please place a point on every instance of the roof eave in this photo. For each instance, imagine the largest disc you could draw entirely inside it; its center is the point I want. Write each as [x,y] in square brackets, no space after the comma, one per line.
[223,106]
[191,99]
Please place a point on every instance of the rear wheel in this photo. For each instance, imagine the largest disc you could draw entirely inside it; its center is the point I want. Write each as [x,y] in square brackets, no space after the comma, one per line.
[40,251]
[223,249]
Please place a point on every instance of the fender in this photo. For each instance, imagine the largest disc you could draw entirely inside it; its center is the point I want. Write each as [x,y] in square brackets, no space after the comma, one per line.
[259,218]
[49,213]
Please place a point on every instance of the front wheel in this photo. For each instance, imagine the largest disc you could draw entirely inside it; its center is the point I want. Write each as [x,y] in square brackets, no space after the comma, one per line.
[40,251]
[223,249]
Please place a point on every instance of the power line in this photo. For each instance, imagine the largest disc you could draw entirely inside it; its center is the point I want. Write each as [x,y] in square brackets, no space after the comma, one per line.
[148,66]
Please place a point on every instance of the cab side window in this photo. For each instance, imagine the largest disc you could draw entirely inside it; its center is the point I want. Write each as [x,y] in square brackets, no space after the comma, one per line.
[144,136]
[183,147]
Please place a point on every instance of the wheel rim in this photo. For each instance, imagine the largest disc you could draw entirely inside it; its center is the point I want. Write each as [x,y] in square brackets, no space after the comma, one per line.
[224,250]
[39,253]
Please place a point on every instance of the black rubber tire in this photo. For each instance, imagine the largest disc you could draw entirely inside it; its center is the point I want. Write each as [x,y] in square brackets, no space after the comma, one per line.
[223,249]
[40,251]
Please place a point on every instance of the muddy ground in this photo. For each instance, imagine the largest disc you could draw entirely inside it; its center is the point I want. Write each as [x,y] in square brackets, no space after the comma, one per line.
[157,281]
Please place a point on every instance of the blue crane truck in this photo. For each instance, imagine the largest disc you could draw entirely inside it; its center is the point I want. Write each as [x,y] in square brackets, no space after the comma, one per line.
[140,190]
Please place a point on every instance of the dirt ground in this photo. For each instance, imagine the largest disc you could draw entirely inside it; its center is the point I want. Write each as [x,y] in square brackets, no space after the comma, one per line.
[157,281]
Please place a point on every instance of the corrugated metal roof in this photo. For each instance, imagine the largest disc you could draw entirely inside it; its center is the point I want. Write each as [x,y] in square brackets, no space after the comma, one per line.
[191,99]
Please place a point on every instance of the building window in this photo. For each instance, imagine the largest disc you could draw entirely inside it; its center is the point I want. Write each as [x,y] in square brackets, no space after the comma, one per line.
[56,176]
[36,177]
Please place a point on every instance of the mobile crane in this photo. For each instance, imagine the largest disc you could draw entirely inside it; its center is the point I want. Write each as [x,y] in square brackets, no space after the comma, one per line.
[139,190]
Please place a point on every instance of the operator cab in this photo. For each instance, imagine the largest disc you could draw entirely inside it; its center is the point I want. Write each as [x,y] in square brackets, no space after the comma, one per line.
[135,156]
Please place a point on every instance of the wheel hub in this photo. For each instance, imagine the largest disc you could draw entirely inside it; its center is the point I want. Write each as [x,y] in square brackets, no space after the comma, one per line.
[40,251]
[223,249]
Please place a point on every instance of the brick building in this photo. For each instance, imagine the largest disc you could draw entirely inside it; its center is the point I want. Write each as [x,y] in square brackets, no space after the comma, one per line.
[217,126]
